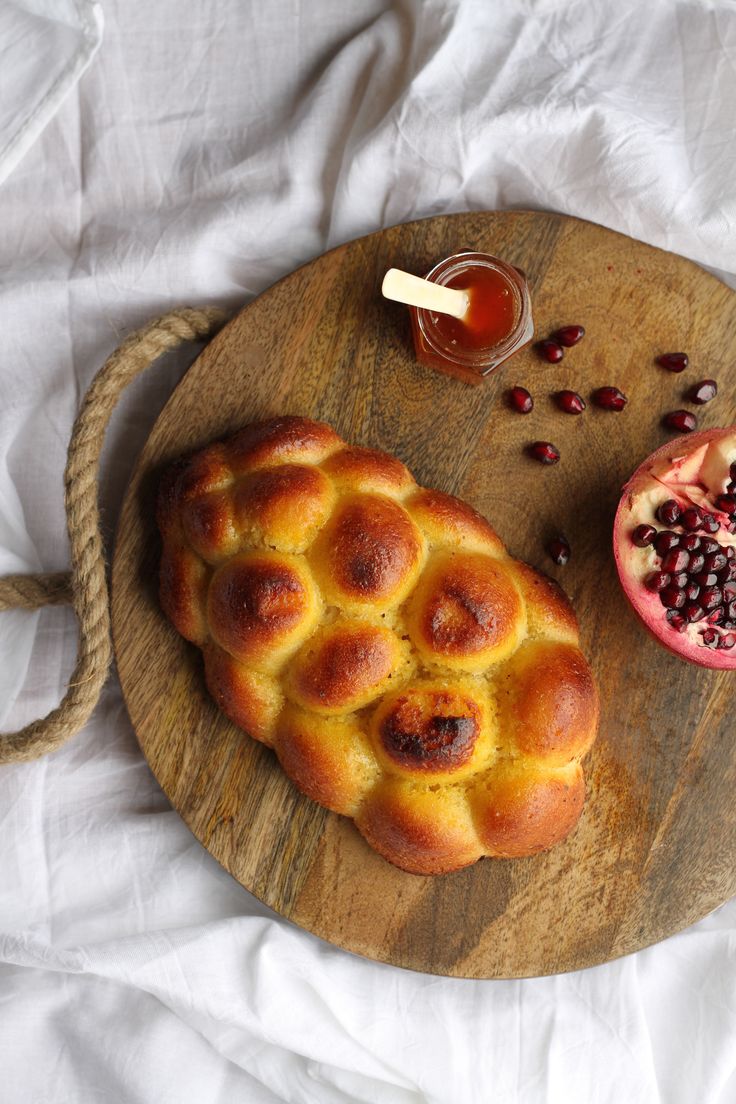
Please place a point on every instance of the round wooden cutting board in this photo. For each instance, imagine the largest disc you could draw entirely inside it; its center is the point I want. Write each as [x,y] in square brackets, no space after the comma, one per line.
[656,847]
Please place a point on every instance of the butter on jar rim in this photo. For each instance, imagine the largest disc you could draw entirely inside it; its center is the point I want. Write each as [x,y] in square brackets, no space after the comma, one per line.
[497,324]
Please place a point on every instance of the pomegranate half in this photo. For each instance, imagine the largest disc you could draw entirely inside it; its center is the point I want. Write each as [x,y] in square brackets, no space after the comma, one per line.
[674,539]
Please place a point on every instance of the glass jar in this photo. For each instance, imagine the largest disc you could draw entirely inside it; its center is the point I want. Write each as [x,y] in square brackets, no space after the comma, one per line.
[498,323]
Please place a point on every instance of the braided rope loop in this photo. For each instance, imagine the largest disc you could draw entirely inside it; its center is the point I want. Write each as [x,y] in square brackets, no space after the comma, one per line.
[86,585]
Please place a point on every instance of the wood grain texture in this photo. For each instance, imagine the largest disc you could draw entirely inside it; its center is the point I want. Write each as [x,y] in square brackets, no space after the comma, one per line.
[655,848]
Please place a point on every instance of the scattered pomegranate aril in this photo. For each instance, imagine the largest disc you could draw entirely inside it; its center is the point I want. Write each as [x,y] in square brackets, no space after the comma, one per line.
[609,398]
[657,580]
[672,597]
[665,540]
[521,400]
[691,519]
[570,402]
[682,420]
[690,542]
[551,351]
[643,535]
[669,512]
[559,550]
[673,362]
[569,335]
[702,392]
[677,559]
[711,597]
[726,503]
[544,451]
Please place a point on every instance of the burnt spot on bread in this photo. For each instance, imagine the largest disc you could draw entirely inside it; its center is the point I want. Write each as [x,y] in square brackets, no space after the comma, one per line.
[430,730]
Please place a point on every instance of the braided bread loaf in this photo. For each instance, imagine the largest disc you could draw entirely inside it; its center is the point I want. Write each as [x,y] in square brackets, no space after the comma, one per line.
[406,670]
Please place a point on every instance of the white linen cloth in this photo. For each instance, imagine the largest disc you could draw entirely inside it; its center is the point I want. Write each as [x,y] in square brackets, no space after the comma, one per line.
[211,148]
[45,46]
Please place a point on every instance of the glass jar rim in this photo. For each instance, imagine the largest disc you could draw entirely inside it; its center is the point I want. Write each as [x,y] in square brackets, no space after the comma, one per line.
[476,357]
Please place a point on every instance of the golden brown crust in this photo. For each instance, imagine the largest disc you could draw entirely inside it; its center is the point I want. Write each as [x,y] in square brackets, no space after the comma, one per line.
[407,671]
[344,667]
[521,811]
[260,605]
[421,830]
[447,521]
[366,470]
[251,700]
[548,702]
[465,612]
[368,554]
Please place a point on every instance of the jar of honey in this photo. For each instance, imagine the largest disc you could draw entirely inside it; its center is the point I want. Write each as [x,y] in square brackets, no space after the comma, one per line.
[497,324]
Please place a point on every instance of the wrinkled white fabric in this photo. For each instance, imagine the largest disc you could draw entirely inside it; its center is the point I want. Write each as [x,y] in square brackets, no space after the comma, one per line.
[210,148]
[45,46]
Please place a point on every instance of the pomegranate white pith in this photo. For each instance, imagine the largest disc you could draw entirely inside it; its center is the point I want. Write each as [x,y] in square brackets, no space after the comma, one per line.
[694,471]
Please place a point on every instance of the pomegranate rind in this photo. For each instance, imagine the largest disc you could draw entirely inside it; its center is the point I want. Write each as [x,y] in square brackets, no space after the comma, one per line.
[693,468]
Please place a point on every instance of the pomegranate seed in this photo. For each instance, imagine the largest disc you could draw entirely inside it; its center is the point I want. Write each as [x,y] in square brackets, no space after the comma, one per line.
[702,392]
[696,563]
[681,420]
[726,503]
[710,524]
[657,581]
[643,535]
[707,545]
[732,471]
[570,402]
[692,612]
[544,452]
[691,518]
[709,637]
[690,542]
[724,574]
[716,561]
[677,559]
[680,579]
[559,550]
[551,351]
[672,598]
[665,540]
[715,616]
[711,597]
[669,512]
[705,578]
[727,641]
[521,400]
[730,552]
[569,335]
[692,590]
[673,362]
[731,611]
[610,398]
[731,487]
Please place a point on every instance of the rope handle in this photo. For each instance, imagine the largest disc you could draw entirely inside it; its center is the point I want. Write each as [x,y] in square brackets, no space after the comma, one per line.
[86,585]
